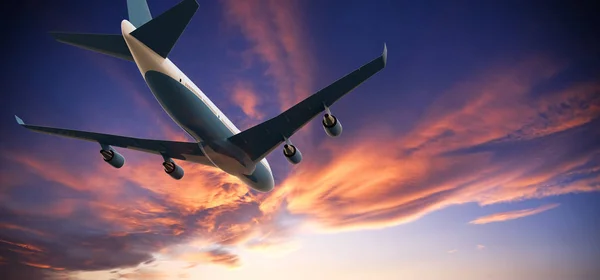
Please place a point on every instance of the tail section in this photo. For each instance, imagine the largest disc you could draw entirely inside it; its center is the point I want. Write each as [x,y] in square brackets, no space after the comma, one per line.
[138,12]
[161,33]
[113,45]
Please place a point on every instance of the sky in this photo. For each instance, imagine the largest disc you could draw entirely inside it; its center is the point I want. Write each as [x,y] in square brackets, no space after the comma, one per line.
[475,154]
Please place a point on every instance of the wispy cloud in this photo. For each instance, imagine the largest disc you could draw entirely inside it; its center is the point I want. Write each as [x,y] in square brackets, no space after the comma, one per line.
[218,256]
[452,251]
[245,96]
[275,30]
[480,247]
[511,215]
[488,139]
[458,153]
[445,160]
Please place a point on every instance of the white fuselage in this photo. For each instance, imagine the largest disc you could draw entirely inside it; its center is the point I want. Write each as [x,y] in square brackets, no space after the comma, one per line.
[202,120]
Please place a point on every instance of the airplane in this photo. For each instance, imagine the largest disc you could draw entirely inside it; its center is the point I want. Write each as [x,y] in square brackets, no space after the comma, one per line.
[147,42]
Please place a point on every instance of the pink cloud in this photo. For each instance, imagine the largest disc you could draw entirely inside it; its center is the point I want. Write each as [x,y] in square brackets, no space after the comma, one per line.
[217,256]
[380,178]
[358,183]
[511,215]
[244,95]
[276,33]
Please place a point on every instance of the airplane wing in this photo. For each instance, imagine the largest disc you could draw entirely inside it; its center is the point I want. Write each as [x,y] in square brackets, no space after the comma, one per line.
[177,150]
[260,140]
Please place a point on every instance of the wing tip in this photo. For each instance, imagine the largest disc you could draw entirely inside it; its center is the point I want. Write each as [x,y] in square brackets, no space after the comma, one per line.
[19,120]
[384,54]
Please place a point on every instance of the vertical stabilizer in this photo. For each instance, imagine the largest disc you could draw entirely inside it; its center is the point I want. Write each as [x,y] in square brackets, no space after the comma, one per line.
[161,33]
[138,12]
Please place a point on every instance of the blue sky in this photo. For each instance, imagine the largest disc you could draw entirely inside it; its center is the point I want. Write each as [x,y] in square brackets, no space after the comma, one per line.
[473,155]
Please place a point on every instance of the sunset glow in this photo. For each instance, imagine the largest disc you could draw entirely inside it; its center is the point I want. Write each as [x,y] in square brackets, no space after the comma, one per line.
[474,155]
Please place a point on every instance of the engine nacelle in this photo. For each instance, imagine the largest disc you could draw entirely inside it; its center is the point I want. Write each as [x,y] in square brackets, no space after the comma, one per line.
[332,125]
[113,158]
[174,170]
[292,154]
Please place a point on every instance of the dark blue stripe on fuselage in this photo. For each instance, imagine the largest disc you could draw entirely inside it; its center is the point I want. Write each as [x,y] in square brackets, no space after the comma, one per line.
[186,108]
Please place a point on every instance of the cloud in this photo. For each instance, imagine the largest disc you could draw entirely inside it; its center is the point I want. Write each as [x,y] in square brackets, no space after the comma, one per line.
[452,251]
[22,271]
[244,95]
[123,217]
[145,274]
[21,228]
[218,256]
[121,220]
[480,247]
[275,31]
[461,151]
[491,138]
[511,215]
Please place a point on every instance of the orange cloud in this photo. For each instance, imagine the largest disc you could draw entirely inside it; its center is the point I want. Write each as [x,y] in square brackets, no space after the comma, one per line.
[511,215]
[278,38]
[199,190]
[382,179]
[488,107]
[273,246]
[275,30]
[146,274]
[217,256]
[244,95]
[24,246]
[377,178]
[21,228]
[38,265]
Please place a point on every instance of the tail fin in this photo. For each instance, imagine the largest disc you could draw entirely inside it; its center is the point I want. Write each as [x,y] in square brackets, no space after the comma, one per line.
[161,33]
[138,12]
[113,45]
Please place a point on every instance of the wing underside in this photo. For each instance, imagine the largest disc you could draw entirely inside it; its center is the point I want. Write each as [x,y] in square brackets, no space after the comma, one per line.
[177,150]
[260,140]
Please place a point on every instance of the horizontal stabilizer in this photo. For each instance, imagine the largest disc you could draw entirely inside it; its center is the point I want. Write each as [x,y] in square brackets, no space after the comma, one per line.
[113,45]
[161,33]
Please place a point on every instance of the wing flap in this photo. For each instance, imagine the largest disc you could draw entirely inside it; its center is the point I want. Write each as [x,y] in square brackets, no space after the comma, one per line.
[260,140]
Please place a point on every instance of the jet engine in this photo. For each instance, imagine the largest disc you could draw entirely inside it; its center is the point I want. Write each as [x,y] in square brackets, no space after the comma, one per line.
[292,154]
[112,157]
[332,125]
[174,170]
